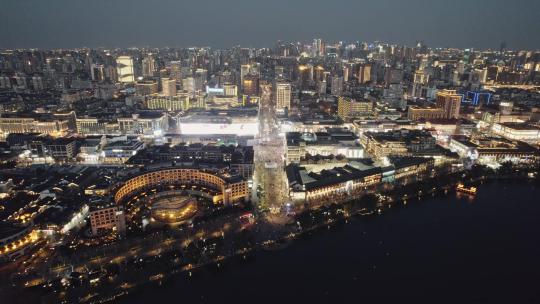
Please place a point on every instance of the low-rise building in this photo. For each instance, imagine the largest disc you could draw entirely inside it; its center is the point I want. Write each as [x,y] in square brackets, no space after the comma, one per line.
[107,218]
[333,142]
[398,143]
[494,150]
[518,131]
[16,240]
[119,150]
[42,124]
[178,102]
[416,112]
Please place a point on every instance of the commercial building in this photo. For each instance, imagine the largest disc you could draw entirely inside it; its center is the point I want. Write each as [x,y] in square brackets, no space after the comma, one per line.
[222,102]
[144,123]
[43,124]
[313,187]
[398,143]
[346,182]
[416,112]
[335,142]
[238,158]
[63,149]
[361,126]
[237,122]
[178,102]
[349,108]
[146,88]
[518,131]
[494,150]
[93,126]
[230,89]
[119,150]
[220,189]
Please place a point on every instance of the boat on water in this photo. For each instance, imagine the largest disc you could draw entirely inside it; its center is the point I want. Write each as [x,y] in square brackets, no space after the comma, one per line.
[467,190]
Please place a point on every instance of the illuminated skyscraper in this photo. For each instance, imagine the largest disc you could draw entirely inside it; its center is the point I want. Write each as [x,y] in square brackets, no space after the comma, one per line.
[176,71]
[200,79]
[249,69]
[168,87]
[124,69]
[188,85]
[244,71]
[364,74]
[283,95]
[318,47]
[251,85]
[97,72]
[336,86]
[148,66]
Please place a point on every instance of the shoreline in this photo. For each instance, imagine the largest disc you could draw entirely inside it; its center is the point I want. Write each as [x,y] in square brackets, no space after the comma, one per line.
[391,197]
[284,242]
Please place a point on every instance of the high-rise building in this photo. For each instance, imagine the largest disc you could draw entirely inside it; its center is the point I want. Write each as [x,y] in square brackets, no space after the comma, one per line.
[146,88]
[346,73]
[449,101]
[283,96]
[336,87]
[5,82]
[393,76]
[201,76]
[364,74]
[244,71]
[188,84]
[168,87]
[176,71]
[249,69]
[318,47]
[148,66]
[321,87]
[420,77]
[37,83]
[125,69]
[251,85]
[97,72]
[279,71]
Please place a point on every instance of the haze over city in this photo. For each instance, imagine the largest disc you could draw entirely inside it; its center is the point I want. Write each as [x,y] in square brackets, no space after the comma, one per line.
[223,24]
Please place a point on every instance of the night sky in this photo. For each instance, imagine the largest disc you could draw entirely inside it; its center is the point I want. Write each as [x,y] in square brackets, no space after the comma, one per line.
[225,23]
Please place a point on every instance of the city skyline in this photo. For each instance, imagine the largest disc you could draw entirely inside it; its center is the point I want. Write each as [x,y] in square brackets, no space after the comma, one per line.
[352,151]
[66,24]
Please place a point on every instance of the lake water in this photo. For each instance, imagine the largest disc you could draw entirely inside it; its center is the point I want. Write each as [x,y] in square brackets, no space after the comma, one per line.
[437,250]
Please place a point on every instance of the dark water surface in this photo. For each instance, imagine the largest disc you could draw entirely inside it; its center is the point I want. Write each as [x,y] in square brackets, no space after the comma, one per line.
[437,250]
